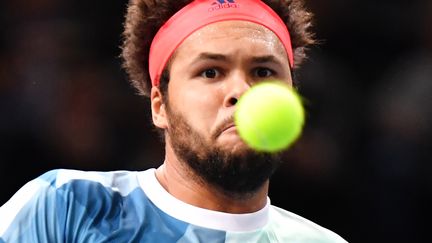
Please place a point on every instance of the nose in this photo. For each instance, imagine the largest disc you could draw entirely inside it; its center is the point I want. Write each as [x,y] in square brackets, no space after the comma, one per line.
[238,83]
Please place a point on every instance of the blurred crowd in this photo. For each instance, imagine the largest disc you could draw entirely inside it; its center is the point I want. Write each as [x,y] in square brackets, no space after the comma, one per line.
[361,167]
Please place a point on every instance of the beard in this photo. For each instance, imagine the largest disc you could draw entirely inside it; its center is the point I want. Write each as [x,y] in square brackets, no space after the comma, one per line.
[235,173]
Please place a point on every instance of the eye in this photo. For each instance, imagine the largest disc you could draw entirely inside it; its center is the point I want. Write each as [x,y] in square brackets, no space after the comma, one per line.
[210,73]
[263,72]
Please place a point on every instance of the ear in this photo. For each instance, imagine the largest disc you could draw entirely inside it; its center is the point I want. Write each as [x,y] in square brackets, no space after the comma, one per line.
[158,108]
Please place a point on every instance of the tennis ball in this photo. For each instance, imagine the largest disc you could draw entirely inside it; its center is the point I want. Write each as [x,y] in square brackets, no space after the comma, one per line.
[269,117]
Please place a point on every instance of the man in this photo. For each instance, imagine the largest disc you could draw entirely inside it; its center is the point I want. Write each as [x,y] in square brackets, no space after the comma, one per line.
[194,59]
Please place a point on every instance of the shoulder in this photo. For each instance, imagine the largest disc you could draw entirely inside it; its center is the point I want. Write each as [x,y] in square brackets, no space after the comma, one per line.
[301,228]
[53,185]
[58,196]
[122,182]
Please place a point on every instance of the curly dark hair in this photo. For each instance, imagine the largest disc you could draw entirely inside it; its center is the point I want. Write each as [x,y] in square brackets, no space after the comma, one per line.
[145,17]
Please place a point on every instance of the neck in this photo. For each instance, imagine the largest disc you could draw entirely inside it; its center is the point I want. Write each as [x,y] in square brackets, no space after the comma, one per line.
[181,182]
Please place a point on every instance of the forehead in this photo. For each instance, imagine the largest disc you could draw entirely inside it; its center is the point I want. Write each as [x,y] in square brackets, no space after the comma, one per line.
[233,35]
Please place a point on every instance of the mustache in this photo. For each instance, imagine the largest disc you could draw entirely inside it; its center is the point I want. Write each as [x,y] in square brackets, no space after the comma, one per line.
[227,122]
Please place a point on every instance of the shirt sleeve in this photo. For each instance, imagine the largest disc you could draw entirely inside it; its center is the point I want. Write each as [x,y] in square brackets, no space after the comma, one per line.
[31,214]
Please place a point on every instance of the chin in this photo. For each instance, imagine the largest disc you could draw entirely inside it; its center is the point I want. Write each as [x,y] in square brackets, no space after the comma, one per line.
[234,147]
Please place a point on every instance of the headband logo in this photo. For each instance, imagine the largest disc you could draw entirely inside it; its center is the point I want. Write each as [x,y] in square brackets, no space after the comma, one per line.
[221,4]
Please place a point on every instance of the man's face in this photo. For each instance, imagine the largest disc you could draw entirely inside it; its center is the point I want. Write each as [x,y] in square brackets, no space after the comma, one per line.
[209,71]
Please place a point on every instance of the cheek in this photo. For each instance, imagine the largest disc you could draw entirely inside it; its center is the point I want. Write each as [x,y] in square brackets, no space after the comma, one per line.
[201,105]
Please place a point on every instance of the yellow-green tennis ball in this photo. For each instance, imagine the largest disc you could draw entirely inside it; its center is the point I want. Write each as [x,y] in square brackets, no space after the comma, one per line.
[269,117]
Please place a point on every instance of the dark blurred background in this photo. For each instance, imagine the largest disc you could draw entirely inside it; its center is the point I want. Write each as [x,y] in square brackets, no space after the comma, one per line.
[361,167]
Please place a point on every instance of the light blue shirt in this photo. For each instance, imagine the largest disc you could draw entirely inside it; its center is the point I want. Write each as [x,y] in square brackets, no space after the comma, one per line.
[125,206]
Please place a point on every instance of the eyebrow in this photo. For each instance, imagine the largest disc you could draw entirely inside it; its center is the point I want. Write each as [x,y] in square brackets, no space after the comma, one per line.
[209,56]
[220,57]
[265,59]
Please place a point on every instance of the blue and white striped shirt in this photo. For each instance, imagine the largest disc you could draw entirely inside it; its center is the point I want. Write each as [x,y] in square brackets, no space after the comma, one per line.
[124,206]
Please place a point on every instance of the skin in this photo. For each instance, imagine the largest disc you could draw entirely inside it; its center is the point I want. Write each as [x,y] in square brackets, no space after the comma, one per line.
[209,71]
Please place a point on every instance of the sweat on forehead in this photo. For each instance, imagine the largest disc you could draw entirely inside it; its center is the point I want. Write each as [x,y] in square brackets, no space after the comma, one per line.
[200,13]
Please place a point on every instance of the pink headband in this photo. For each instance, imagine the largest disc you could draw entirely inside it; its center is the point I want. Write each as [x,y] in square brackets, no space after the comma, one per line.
[200,13]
